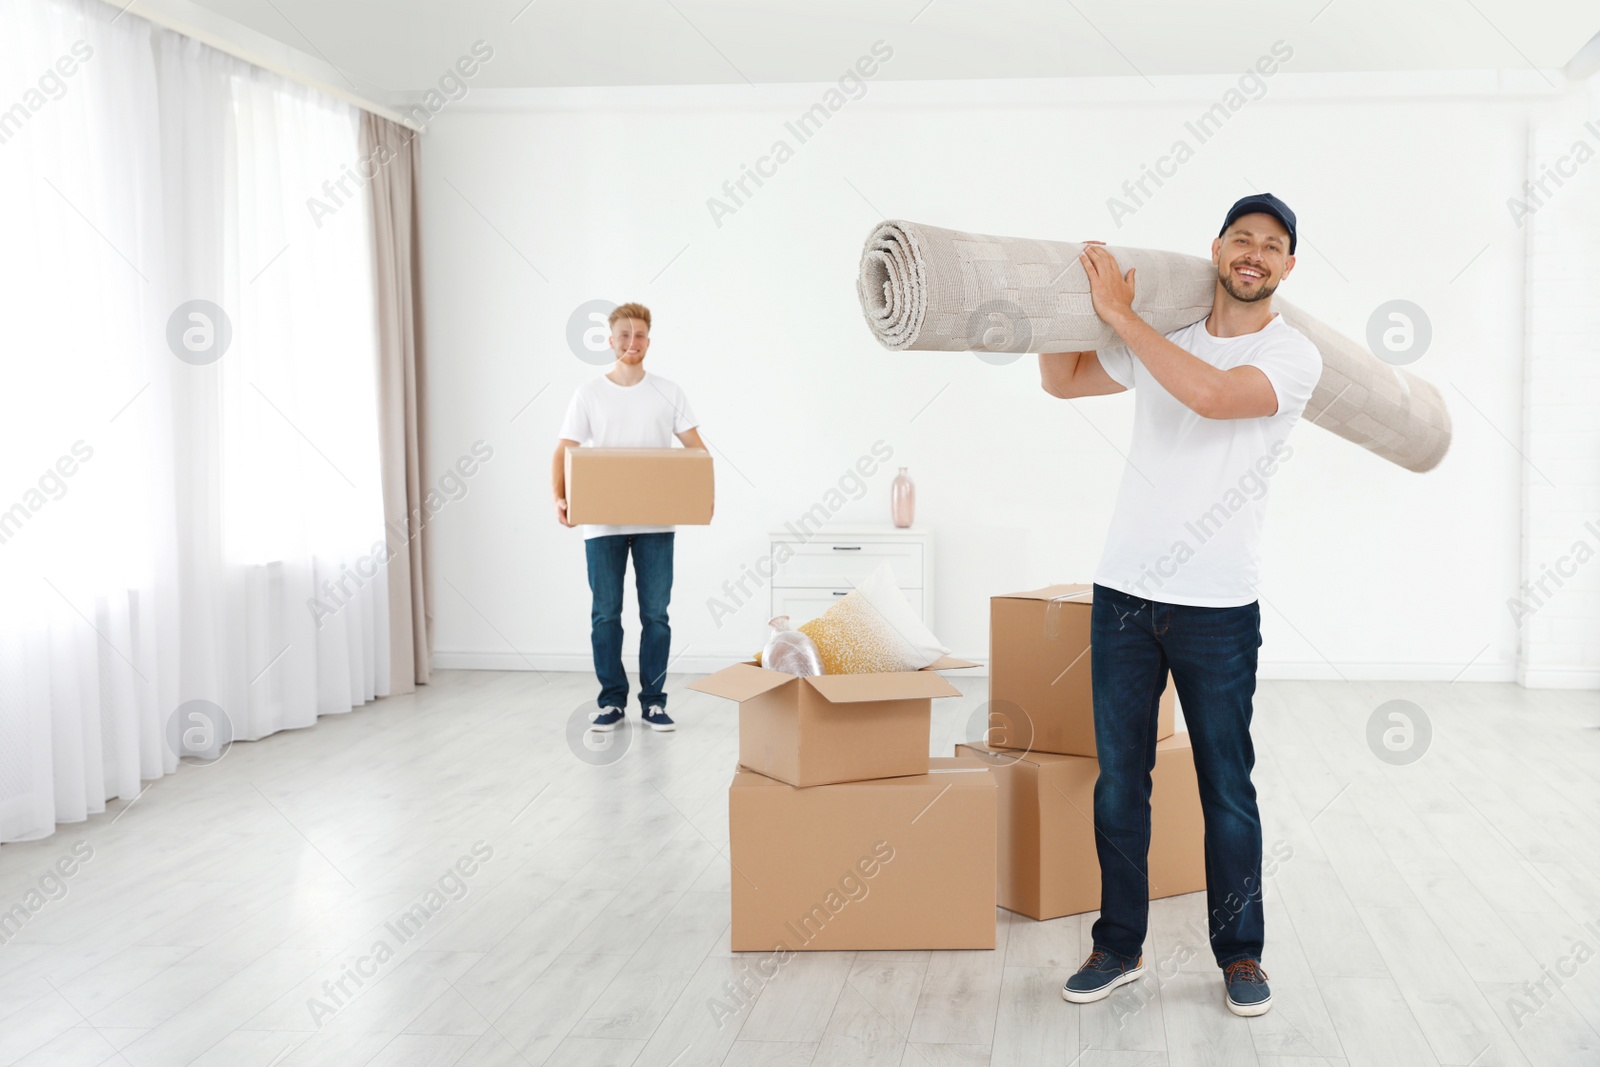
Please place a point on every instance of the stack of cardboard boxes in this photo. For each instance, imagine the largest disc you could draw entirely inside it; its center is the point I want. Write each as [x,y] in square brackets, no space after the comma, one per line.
[843,832]
[1042,748]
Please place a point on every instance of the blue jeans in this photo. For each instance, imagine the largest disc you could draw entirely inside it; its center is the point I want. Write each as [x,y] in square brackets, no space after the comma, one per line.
[652,576]
[1212,655]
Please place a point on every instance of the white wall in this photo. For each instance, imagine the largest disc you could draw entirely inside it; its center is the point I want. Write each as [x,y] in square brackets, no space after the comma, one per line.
[538,201]
[1557,610]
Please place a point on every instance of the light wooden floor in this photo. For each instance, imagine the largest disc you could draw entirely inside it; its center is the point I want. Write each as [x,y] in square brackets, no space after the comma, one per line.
[1417,902]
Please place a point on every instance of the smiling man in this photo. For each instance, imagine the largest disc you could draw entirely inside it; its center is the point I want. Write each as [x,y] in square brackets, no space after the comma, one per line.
[626,407]
[1176,585]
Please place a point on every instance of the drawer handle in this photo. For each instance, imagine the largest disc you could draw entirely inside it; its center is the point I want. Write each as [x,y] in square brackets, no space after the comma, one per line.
[846,593]
[847,548]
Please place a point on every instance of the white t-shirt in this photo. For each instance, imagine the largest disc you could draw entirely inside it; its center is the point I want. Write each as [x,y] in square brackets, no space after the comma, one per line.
[647,414]
[1187,525]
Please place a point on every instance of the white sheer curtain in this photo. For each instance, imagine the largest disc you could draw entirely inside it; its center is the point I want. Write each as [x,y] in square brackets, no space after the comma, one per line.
[175,529]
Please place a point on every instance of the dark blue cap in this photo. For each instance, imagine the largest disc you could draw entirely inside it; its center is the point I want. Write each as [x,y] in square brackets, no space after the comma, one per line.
[1267,204]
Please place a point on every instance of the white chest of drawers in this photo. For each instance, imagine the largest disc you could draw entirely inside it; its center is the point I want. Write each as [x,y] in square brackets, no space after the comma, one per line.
[819,569]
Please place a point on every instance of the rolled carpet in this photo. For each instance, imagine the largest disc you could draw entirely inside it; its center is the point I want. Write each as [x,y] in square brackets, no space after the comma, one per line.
[925,288]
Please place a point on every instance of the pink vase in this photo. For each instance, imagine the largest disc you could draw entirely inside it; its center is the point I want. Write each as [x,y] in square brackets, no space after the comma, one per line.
[903,499]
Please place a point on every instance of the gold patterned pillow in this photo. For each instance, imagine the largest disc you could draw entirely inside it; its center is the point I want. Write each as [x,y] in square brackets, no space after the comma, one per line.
[873,629]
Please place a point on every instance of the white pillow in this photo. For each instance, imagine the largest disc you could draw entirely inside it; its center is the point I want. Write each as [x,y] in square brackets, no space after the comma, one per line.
[873,629]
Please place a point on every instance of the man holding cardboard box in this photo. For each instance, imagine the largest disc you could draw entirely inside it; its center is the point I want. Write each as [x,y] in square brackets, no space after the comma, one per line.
[625,408]
[1176,586]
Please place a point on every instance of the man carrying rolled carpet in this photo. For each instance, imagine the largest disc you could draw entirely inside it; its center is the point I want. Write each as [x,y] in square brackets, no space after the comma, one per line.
[1176,584]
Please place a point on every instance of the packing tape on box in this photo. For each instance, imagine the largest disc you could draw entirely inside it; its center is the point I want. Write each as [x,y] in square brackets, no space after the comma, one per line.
[1052,610]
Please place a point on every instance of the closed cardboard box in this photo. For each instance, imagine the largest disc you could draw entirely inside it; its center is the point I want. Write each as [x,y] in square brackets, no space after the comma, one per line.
[639,486]
[892,863]
[1048,863]
[1041,691]
[834,727]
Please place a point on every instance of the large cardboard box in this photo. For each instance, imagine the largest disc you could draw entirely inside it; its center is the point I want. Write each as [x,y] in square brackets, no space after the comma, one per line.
[892,863]
[639,486]
[1048,863]
[830,728]
[1041,692]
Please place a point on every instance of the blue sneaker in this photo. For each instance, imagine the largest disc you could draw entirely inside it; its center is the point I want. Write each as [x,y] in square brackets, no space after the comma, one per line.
[1246,983]
[656,717]
[605,719]
[1100,974]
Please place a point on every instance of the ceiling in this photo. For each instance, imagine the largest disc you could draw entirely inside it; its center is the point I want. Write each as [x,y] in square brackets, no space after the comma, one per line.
[405,45]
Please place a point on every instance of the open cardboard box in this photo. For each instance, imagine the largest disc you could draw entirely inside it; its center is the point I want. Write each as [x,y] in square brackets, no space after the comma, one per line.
[891,863]
[639,486]
[1048,864]
[822,729]
[1041,690]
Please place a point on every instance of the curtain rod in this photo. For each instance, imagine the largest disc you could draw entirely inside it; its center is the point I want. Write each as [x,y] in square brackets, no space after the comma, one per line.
[256,48]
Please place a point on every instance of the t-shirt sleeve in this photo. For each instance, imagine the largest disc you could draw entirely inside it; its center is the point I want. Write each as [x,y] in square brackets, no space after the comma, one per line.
[575,425]
[682,414]
[1116,359]
[1293,366]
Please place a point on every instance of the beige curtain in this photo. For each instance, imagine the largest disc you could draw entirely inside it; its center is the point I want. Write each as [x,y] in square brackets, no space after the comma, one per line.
[391,150]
